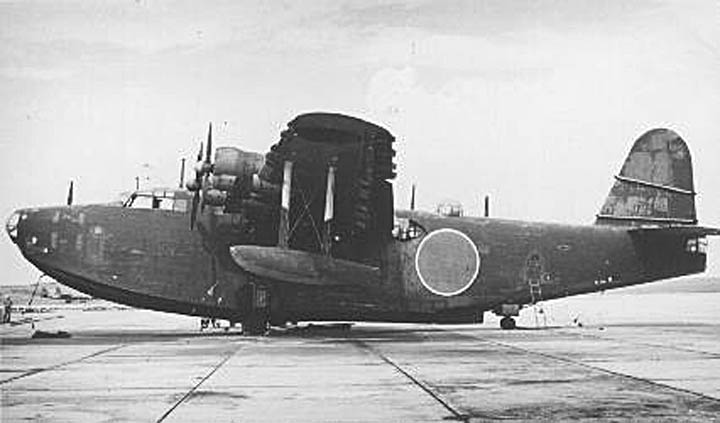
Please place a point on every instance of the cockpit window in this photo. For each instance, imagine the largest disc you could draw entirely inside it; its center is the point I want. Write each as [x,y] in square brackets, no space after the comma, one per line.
[157,200]
[139,202]
[696,245]
[450,209]
[407,229]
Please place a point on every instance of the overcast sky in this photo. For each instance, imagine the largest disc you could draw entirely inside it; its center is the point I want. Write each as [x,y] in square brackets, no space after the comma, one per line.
[536,103]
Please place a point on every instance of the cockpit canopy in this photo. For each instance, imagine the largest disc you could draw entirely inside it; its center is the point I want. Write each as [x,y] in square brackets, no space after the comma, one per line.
[450,209]
[177,200]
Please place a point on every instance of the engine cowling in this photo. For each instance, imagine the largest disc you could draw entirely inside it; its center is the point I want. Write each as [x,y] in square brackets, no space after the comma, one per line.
[216,197]
[235,183]
[233,161]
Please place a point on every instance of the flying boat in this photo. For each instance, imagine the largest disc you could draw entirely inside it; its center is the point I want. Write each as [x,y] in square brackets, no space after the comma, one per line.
[309,232]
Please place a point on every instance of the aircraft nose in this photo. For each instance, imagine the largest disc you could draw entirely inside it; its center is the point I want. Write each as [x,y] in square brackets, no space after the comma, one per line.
[11,225]
[31,229]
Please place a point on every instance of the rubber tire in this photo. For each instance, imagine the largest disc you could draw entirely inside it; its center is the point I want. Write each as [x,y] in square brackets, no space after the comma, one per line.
[507,323]
[255,324]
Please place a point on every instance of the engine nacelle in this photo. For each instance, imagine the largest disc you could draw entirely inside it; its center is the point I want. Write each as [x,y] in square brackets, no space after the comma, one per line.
[232,165]
[215,197]
[223,182]
[235,162]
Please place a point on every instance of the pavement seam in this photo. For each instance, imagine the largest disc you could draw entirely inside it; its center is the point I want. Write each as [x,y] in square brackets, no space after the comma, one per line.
[197,385]
[57,366]
[596,368]
[417,382]
[644,344]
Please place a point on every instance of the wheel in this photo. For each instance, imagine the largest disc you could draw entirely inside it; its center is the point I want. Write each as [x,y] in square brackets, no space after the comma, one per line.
[256,324]
[507,323]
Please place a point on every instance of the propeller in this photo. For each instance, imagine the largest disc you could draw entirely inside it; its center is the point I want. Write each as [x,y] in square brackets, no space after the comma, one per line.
[182,173]
[412,198]
[70,194]
[194,185]
[199,185]
[207,167]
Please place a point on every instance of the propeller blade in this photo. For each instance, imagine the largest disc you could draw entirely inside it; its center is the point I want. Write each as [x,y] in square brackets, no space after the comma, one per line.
[209,144]
[193,210]
[412,198]
[70,194]
[196,195]
[202,175]
[182,173]
[204,189]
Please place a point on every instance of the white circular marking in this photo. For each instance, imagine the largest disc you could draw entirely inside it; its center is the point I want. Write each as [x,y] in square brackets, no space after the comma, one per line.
[447,268]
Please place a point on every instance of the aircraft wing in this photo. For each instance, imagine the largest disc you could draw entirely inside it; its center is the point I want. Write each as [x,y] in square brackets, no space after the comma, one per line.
[361,204]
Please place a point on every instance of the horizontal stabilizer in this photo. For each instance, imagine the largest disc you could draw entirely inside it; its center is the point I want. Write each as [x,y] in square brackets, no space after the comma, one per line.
[300,267]
[697,231]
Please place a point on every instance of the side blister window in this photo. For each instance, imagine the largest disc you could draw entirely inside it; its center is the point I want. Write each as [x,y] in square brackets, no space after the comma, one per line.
[407,229]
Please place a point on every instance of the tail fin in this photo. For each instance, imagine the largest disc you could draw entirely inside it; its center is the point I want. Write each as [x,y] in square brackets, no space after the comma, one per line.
[655,185]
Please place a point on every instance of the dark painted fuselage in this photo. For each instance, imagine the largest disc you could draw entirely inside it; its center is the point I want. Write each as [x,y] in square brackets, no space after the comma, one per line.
[309,232]
[149,258]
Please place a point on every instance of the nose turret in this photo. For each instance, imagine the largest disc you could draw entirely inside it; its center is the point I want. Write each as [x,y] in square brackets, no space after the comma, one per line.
[34,231]
[12,225]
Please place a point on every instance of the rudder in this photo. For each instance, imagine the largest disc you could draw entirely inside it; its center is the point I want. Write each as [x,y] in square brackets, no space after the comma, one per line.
[655,184]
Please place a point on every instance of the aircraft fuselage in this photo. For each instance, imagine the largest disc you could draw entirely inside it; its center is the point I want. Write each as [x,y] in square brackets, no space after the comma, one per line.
[443,270]
[309,232]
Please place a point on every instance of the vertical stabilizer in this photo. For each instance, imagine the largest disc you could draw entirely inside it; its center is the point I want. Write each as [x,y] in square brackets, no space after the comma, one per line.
[655,185]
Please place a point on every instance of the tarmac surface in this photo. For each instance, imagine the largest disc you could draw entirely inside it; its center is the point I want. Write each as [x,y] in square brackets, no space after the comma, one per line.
[651,358]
